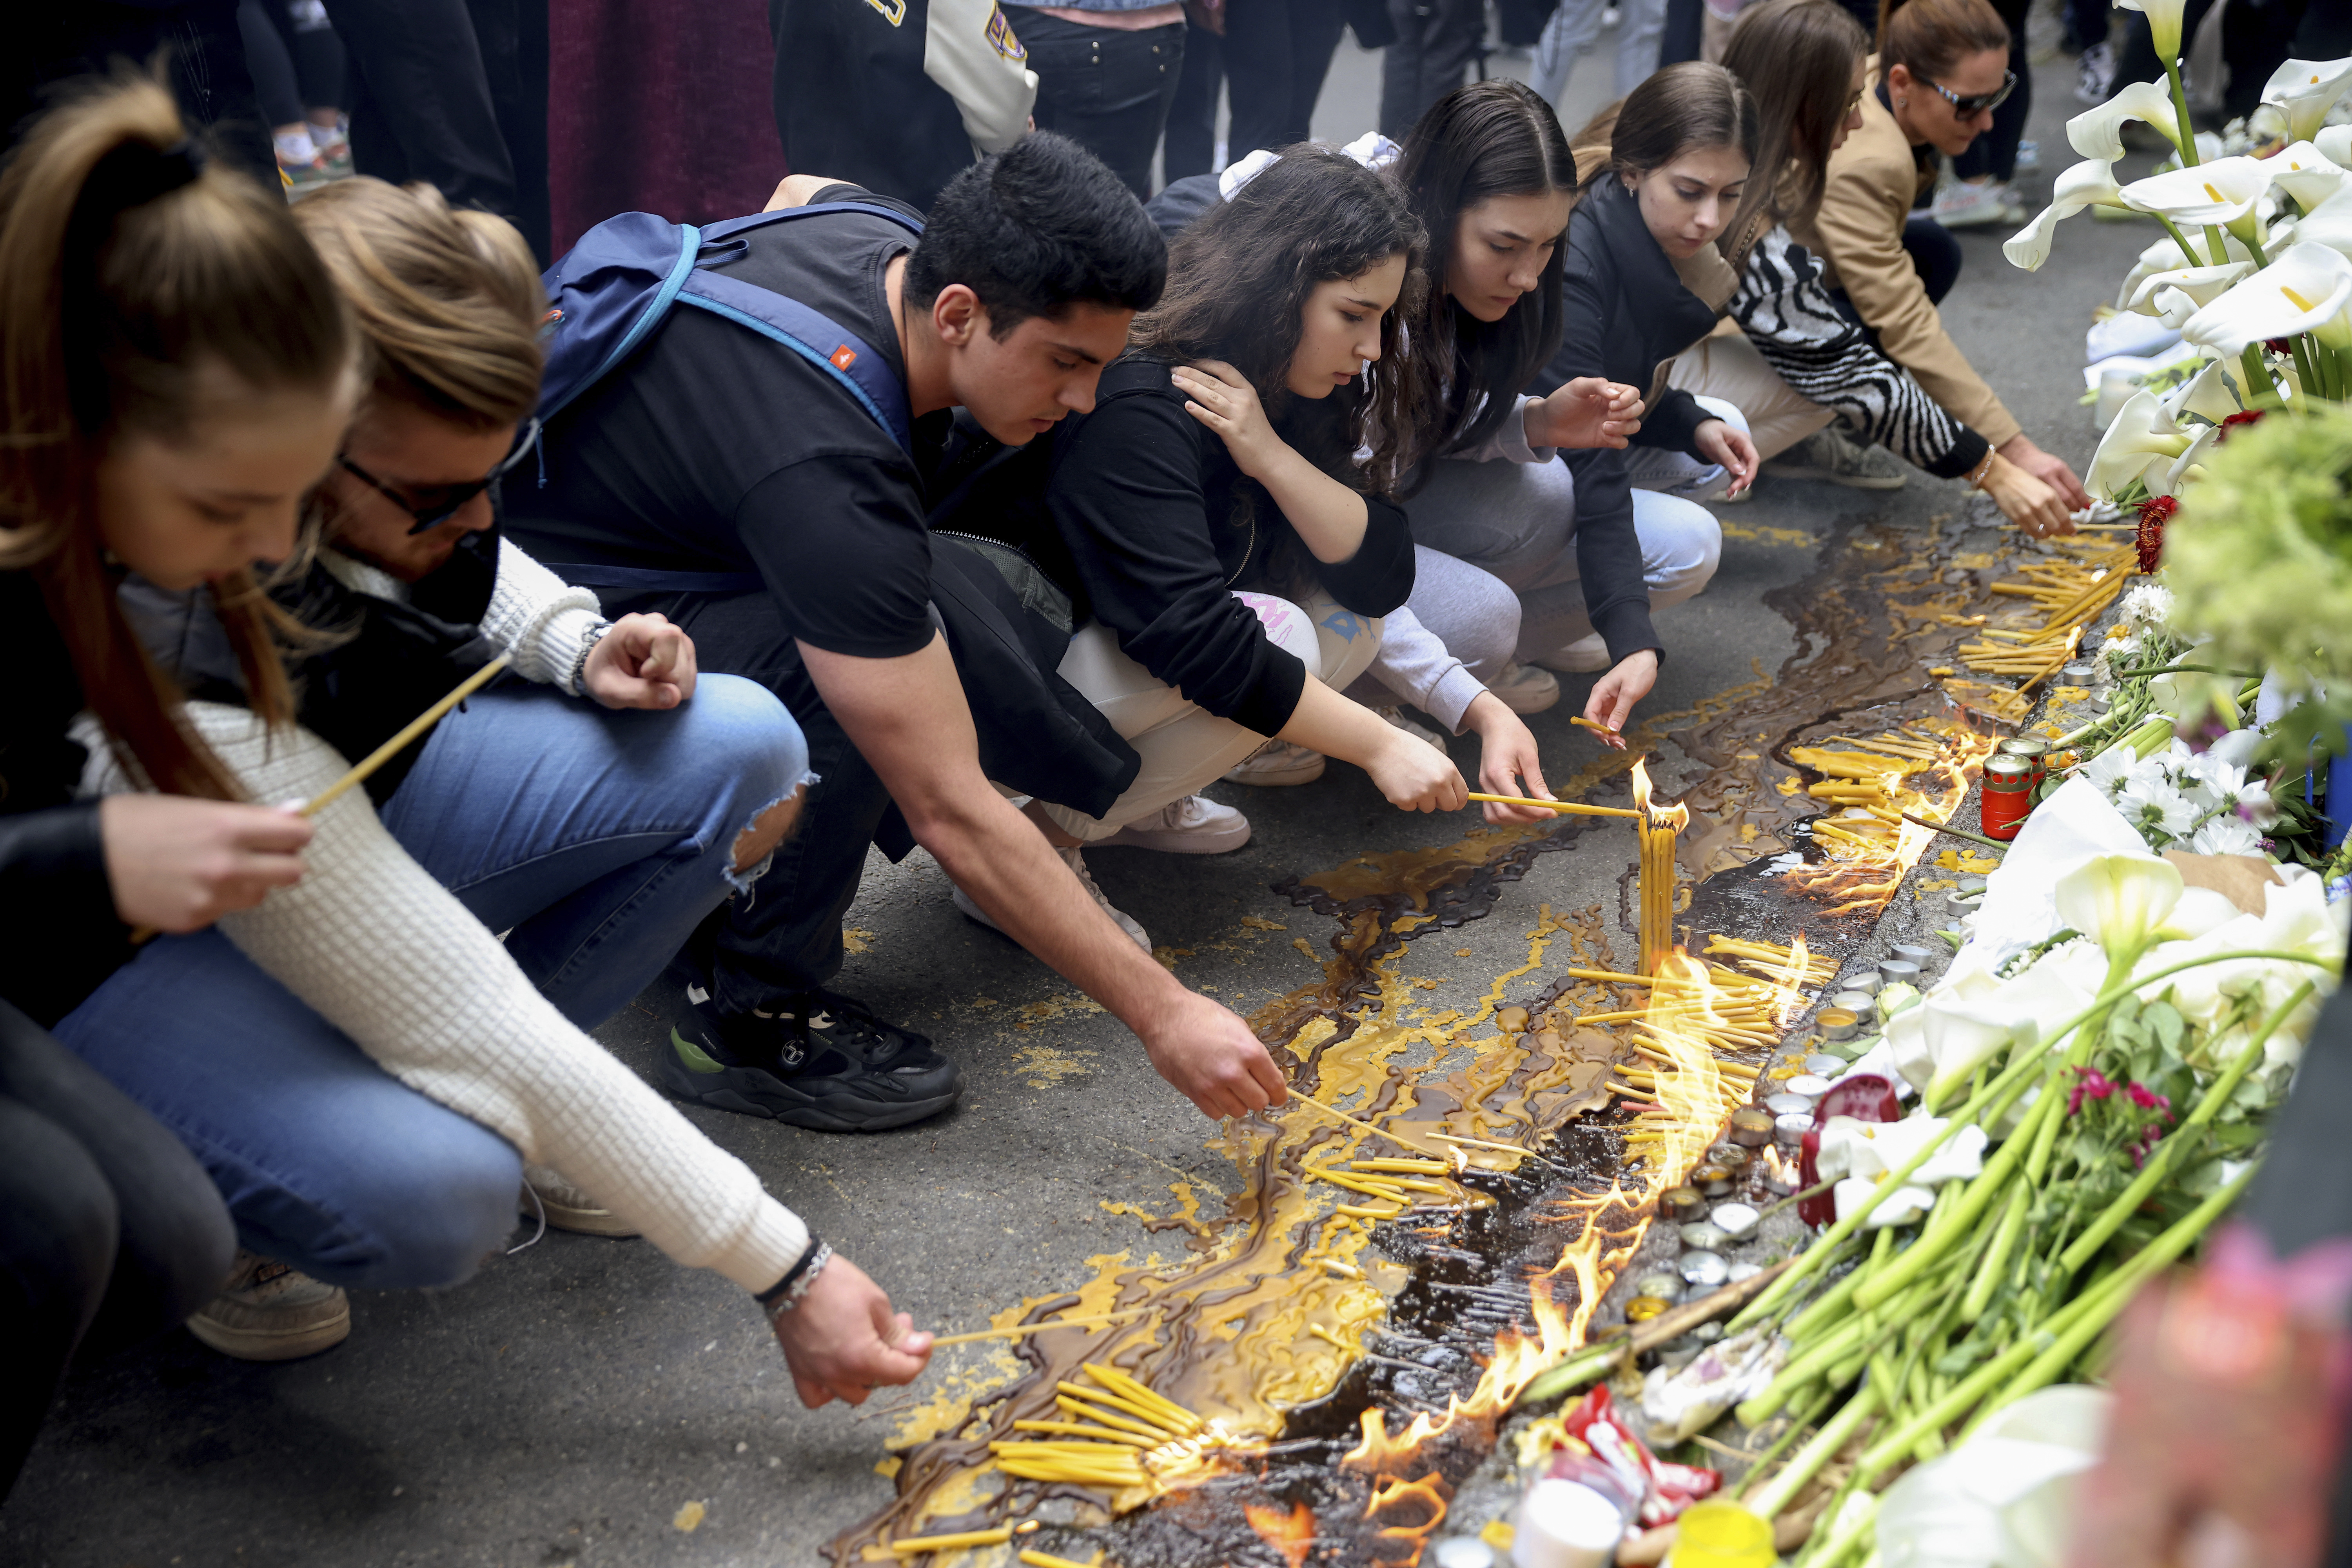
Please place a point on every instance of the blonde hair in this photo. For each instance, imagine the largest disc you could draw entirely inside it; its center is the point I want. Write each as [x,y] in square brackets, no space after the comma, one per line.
[132,273]
[447,301]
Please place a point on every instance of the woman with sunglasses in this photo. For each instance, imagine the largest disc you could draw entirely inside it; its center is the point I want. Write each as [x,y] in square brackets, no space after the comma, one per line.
[1942,67]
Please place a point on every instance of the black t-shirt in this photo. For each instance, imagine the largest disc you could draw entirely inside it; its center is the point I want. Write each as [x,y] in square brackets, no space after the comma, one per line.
[715,449]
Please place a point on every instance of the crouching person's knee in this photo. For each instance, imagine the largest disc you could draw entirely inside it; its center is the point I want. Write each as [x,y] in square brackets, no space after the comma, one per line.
[415,1214]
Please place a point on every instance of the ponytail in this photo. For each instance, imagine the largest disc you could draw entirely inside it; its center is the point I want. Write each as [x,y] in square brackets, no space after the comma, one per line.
[130,269]
[1931,37]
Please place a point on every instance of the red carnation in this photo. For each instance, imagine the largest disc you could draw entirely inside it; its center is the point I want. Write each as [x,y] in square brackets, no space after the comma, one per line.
[2154,513]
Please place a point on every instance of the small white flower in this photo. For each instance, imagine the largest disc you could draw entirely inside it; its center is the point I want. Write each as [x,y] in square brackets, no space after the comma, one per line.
[2106,770]
[2226,835]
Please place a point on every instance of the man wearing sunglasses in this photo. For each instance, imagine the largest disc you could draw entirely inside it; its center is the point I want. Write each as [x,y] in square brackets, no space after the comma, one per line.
[1943,70]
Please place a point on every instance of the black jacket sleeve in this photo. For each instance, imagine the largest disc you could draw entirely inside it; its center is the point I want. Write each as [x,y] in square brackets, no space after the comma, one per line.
[1127,499]
[1608,552]
[1378,576]
[53,875]
[1674,424]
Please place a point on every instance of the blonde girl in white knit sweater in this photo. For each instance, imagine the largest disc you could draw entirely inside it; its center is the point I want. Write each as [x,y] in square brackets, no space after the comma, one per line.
[359,1063]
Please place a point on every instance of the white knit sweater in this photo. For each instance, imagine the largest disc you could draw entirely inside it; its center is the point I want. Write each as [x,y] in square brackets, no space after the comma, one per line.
[381,951]
[533,615]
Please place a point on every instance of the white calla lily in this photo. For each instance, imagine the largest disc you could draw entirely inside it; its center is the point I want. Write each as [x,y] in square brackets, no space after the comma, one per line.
[2305,90]
[2206,394]
[2163,25]
[2189,464]
[2119,900]
[2087,183]
[2139,448]
[2098,133]
[2304,290]
[2223,192]
[2307,174]
[2176,295]
[2335,145]
[2329,223]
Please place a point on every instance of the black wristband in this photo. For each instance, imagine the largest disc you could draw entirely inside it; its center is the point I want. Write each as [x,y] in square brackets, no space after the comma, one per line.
[808,1260]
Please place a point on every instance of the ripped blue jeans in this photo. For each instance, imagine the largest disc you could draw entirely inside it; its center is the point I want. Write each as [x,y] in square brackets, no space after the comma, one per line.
[596,839]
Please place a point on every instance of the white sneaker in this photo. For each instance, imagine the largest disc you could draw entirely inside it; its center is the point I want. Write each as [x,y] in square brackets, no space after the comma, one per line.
[268,1312]
[1193,826]
[1277,764]
[1964,204]
[1076,863]
[1582,656]
[1526,687]
[2094,75]
[1395,716]
[567,1207]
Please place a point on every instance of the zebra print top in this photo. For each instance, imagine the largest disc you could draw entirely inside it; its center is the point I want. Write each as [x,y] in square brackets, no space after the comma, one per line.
[1788,314]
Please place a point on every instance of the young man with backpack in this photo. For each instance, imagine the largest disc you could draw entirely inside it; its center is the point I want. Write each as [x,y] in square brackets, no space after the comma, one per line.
[744,429]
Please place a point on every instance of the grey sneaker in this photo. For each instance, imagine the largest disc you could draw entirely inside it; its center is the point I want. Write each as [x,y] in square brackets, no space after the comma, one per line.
[267,1312]
[1826,454]
[1078,864]
[567,1207]
[1969,203]
[1526,687]
[1275,764]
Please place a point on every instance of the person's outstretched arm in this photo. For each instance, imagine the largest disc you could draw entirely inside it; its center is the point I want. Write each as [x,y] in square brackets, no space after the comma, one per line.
[376,947]
[908,720]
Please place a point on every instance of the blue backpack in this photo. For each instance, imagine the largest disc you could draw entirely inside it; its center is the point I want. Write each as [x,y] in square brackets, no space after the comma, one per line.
[616,286]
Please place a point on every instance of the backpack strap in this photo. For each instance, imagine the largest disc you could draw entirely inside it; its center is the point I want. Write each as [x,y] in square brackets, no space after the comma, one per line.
[833,347]
[689,246]
[735,226]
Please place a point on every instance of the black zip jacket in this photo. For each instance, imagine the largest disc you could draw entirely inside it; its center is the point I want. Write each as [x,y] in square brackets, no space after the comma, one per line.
[1623,311]
[1138,511]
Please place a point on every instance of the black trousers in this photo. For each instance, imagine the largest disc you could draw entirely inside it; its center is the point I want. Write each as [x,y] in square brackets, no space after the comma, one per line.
[1276,52]
[1104,88]
[1437,41]
[111,1232]
[454,93]
[1190,147]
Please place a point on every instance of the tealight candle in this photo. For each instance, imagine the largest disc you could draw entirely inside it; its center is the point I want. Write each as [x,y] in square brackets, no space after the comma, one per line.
[1827,1067]
[1784,1105]
[1836,1023]
[1712,1180]
[1660,1287]
[1684,1204]
[1706,1271]
[1898,972]
[1812,1085]
[1788,1128]
[1729,1156]
[1867,984]
[1704,1235]
[1641,1308]
[1912,953]
[1751,1127]
[1734,1220]
[1855,1001]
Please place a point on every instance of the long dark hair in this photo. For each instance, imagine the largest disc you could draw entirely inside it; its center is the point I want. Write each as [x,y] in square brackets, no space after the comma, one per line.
[1933,36]
[1681,106]
[1797,57]
[1496,138]
[1238,281]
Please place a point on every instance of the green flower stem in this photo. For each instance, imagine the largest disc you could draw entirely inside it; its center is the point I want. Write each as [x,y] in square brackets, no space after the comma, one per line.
[1798,1425]
[1965,1213]
[2110,1294]
[2160,1163]
[1817,1256]
[1865,1332]
[2181,240]
[1830,1551]
[1996,1266]
[2307,365]
[1808,1461]
[2251,361]
[2186,669]
[1804,1266]
[2188,157]
[2255,250]
[2110,1297]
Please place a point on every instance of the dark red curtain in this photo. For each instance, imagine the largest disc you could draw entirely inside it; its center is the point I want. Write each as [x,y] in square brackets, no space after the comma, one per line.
[658,106]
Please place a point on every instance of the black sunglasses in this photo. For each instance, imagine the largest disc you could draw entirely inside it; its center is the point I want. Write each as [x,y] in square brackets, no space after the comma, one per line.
[445,500]
[1976,104]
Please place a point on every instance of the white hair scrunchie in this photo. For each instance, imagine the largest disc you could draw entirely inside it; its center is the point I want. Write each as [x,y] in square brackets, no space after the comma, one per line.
[1372,150]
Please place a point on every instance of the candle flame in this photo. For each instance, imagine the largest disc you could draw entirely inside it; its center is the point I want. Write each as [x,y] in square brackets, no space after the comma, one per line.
[1868,852]
[1676,816]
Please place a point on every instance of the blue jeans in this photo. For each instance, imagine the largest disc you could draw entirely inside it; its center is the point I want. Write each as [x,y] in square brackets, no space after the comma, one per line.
[599,838]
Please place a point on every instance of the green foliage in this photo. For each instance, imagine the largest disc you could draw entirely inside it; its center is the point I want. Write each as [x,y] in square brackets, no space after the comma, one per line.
[2260,558]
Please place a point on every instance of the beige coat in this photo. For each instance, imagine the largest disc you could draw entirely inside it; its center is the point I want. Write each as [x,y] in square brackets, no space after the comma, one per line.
[1873,181]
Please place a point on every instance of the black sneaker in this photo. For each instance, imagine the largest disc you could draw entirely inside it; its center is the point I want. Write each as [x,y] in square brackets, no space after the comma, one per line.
[820,1061]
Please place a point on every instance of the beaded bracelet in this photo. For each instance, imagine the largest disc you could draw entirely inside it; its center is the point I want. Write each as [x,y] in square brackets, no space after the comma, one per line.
[1976,480]
[786,1293]
[588,641]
